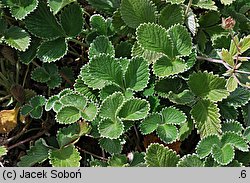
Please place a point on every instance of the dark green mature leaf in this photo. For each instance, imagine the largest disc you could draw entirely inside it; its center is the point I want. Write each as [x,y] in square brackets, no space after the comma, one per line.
[72,20]
[57,5]
[27,56]
[101,45]
[238,98]
[136,12]
[43,24]
[111,145]
[108,6]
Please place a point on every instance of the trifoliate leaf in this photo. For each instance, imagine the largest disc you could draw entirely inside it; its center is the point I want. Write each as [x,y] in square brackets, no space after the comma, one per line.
[167,133]
[68,115]
[57,5]
[40,75]
[101,45]
[66,157]
[191,161]
[50,51]
[208,86]
[75,100]
[20,9]
[72,20]
[111,129]
[235,140]
[154,37]
[110,106]
[107,69]
[223,155]
[165,67]
[134,109]
[238,97]
[137,74]
[150,123]
[55,81]
[136,12]
[159,156]
[232,126]
[171,115]
[43,24]
[37,101]
[50,102]
[17,38]
[36,154]
[181,40]
[112,146]
[171,15]
[207,118]
[204,147]
[3,151]
[37,112]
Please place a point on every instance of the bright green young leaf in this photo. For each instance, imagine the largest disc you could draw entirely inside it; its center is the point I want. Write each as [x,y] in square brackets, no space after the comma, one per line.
[111,129]
[3,151]
[204,147]
[171,15]
[136,12]
[68,115]
[167,133]
[165,67]
[171,115]
[51,102]
[154,37]
[159,156]
[227,57]
[72,20]
[223,155]
[43,24]
[191,161]
[208,86]
[227,2]
[65,157]
[134,109]
[207,118]
[150,123]
[101,45]
[235,140]
[232,84]
[51,51]
[57,5]
[36,154]
[110,105]
[17,38]
[181,40]
[20,9]
[137,74]
[112,146]
[244,44]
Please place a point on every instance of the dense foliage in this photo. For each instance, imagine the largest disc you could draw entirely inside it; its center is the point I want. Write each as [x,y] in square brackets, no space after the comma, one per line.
[160,83]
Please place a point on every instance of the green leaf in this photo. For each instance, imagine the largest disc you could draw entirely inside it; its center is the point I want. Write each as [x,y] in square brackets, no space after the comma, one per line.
[154,37]
[134,109]
[175,1]
[106,69]
[167,133]
[109,6]
[90,112]
[238,97]
[205,4]
[37,101]
[109,90]
[43,24]
[227,57]
[137,74]
[228,112]
[185,97]
[150,123]
[37,112]
[192,22]
[72,20]
[204,147]
[246,134]
[136,12]
[244,44]
[20,9]
[51,51]
[51,102]
[68,135]
[227,2]
[73,99]
[207,118]
[118,160]
[17,38]
[55,81]
[36,154]
[159,156]
[171,15]
[40,75]
[112,146]
[223,155]
[181,40]
[235,140]
[66,157]
[110,105]
[232,126]
[27,56]
[3,151]
[111,129]
[26,109]
[232,84]
[101,45]
[171,115]
[83,89]
[57,5]
[208,86]
[191,161]
[165,67]
[68,115]
[100,25]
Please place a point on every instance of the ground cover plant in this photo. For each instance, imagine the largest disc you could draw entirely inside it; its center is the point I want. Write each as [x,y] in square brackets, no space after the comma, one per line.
[125,83]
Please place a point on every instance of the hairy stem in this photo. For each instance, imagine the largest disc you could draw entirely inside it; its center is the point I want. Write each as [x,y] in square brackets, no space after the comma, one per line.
[215,61]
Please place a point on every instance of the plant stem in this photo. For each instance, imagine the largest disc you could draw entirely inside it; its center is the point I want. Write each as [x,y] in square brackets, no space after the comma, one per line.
[137,139]
[243,72]
[36,64]
[26,74]
[92,154]
[215,61]
[188,7]
[78,42]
